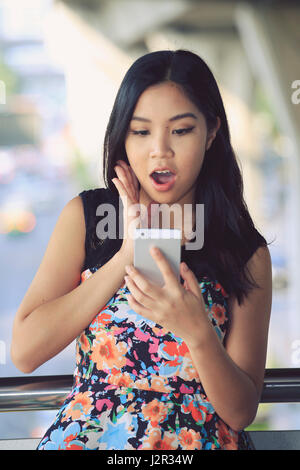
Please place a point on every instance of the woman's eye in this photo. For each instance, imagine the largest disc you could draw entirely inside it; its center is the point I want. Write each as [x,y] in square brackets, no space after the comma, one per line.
[183,131]
[139,132]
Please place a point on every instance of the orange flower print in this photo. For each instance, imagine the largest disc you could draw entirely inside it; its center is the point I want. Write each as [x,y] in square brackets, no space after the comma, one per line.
[107,353]
[121,380]
[155,442]
[227,438]
[155,412]
[218,313]
[79,406]
[189,439]
[84,343]
[159,384]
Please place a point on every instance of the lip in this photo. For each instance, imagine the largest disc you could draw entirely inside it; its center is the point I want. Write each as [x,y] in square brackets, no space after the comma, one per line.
[164,186]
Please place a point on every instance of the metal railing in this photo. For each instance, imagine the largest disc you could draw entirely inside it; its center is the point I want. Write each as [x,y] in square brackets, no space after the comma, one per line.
[48,392]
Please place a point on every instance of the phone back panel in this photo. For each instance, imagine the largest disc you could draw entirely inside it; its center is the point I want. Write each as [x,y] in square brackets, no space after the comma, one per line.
[168,241]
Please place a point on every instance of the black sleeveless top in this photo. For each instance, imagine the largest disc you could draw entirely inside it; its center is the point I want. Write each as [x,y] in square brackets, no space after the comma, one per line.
[98,250]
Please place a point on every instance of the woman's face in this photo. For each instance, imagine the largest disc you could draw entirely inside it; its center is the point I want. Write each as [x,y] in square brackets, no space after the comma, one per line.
[167,130]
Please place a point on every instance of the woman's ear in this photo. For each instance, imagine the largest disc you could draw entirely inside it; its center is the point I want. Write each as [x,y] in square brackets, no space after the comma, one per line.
[212,135]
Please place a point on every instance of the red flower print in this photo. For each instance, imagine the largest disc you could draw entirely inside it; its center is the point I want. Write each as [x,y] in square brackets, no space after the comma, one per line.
[198,413]
[219,313]
[84,343]
[69,446]
[221,288]
[227,438]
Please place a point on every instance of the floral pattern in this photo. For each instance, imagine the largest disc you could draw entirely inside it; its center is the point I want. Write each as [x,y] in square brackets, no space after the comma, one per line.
[135,385]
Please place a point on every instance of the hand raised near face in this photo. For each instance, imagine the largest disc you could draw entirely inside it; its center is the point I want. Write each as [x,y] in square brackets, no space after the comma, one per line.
[127,185]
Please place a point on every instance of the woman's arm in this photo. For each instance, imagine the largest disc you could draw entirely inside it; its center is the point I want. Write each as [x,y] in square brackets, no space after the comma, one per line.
[232,376]
[55,309]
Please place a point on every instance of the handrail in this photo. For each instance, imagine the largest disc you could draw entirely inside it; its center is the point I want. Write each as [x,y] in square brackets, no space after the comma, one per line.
[281,386]
[48,392]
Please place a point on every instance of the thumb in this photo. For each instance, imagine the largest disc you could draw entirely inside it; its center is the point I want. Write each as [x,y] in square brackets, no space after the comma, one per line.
[190,280]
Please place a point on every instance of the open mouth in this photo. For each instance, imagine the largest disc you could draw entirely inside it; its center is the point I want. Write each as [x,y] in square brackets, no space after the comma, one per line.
[162,177]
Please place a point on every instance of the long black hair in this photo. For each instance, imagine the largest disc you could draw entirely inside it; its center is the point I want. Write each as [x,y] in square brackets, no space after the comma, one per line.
[230,237]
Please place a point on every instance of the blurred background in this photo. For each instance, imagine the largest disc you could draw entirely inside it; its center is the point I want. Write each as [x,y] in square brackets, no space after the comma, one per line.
[61,63]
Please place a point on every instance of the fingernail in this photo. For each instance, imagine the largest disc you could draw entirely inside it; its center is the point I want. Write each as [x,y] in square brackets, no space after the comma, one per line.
[184,267]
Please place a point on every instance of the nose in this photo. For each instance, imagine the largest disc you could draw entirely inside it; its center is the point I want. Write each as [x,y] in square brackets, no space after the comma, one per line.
[161,146]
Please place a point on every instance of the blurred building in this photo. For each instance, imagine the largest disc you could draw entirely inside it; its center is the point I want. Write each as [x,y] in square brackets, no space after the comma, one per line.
[70,57]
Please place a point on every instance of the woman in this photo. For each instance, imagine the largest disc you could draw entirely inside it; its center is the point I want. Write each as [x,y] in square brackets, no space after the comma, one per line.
[177,367]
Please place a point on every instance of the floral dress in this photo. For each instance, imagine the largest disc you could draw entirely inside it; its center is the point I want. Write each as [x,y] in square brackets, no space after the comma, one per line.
[136,387]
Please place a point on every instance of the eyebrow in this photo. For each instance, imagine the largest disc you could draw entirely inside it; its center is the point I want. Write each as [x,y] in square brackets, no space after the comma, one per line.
[174,118]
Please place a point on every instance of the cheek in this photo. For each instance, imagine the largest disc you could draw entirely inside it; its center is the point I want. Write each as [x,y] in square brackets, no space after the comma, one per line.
[132,149]
[134,160]
[194,157]
[192,167]
[192,147]
[135,153]
[127,147]
[130,153]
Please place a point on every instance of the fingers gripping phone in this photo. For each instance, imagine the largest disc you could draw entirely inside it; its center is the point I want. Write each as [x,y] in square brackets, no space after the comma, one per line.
[169,243]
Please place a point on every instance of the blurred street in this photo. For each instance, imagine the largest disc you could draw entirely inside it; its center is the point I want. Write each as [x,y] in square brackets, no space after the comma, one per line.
[21,254]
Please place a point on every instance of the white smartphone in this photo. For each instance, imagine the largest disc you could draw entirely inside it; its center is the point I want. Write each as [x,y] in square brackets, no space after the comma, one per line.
[167,240]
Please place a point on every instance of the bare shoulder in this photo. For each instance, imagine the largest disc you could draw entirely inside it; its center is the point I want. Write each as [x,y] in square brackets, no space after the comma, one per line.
[246,340]
[260,263]
[60,268]
[70,229]
[259,267]
[74,209]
